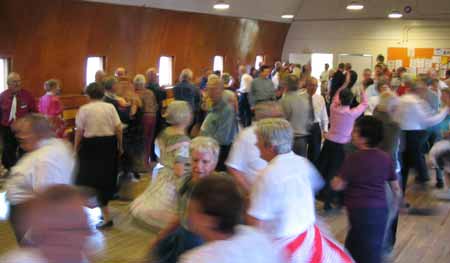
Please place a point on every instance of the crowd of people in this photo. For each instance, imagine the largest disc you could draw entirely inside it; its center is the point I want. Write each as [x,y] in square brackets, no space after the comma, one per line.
[241,160]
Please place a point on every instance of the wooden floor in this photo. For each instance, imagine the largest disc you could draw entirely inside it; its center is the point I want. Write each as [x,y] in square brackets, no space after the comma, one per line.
[420,238]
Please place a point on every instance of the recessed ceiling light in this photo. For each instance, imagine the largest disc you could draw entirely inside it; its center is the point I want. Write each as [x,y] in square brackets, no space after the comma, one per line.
[287,16]
[354,5]
[221,5]
[395,14]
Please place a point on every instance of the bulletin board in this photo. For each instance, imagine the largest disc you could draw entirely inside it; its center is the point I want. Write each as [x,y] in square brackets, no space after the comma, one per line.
[420,60]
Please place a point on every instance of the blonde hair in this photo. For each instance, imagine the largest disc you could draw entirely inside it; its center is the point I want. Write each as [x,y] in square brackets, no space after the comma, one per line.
[51,84]
[178,112]
[139,79]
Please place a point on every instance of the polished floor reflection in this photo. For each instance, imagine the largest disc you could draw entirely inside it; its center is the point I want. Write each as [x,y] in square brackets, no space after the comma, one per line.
[421,239]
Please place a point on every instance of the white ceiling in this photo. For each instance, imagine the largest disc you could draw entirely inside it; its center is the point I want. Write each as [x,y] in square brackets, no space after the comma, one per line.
[304,9]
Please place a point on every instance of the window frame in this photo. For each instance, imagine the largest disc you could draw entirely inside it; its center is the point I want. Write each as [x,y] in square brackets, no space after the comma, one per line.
[86,66]
[256,61]
[172,70]
[8,59]
[223,63]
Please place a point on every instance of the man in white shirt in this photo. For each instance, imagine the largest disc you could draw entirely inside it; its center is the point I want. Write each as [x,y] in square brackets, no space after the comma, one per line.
[244,161]
[414,117]
[282,199]
[48,161]
[320,124]
[325,76]
[362,85]
[433,74]
[215,211]
[381,86]
[245,113]
[276,74]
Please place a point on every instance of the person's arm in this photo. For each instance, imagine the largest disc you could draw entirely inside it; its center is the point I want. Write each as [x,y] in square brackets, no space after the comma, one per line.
[336,100]
[338,183]
[79,129]
[239,177]
[397,192]
[432,120]
[358,110]
[251,94]
[78,136]
[324,121]
[170,228]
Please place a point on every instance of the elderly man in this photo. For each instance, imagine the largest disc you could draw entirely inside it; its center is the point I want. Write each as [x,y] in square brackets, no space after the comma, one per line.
[160,94]
[262,88]
[15,103]
[220,123]
[244,161]
[121,73]
[282,199]
[245,84]
[100,77]
[298,111]
[362,86]
[185,90]
[48,161]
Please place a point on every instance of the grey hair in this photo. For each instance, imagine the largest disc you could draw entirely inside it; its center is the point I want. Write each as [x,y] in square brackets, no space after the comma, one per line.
[381,82]
[151,70]
[178,112]
[51,84]
[186,74]
[205,144]
[277,133]
[268,109]
[39,125]
[11,76]
[139,79]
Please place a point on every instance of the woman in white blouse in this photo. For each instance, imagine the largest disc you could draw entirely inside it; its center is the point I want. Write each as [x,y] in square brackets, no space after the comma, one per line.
[98,142]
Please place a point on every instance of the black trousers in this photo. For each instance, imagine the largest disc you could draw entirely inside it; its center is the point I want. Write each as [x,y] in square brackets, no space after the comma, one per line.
[365,237]
[314,143]
[301,145]
[413,156]
[223,155]
[10,152]
[245,112]
[330,161]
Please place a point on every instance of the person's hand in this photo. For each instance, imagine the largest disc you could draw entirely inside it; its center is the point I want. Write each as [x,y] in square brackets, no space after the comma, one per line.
[120,150]
[338,184]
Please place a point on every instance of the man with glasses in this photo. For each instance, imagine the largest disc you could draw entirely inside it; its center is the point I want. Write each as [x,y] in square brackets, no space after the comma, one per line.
[15,103]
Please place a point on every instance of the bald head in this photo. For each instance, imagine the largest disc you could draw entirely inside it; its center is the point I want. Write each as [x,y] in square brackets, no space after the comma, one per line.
[152,76]
[121,72]
[100,76]
[14,82]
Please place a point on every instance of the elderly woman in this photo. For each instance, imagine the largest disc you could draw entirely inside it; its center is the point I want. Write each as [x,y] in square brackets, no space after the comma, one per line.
[149,109]
[98,141]
[50,105]
[177,238]
[157,205]
[284,193]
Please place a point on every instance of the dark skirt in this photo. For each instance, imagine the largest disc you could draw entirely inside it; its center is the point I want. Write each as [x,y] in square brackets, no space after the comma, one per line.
[98,166]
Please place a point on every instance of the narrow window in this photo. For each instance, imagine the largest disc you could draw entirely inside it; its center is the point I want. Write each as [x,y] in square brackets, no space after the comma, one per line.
[93,65]
[165,71]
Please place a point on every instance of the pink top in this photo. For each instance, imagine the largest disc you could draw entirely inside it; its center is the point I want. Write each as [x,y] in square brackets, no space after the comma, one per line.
[50,105]
[342,118]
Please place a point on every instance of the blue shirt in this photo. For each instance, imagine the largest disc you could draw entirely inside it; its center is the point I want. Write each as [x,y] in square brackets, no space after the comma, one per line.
[220,124]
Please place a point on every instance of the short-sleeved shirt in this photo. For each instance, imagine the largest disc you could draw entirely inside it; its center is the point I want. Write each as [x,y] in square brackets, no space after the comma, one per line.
[245,156]
[246,245]
[220,124]
[283,196]
[97,119]
[366,173]
[149,103]
[297,110]
[50,105]
[261,90]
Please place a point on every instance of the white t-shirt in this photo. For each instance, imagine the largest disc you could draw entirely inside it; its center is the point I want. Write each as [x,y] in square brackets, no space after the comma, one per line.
[244,155]
[248,245]
[246,83]
[283,196]
[97,119]
[373,103]
[320,111]
[23,255]
[52,163]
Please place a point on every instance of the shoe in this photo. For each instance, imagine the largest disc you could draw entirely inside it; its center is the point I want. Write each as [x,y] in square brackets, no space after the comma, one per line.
[440,184]
[104,225]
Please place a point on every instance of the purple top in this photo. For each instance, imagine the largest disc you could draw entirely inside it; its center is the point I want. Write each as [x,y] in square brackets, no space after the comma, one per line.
[366,173]
[342,118]
[50,105]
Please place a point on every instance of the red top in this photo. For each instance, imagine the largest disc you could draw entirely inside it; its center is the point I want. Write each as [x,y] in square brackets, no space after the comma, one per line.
[50,105]
[402,90]
[25,105]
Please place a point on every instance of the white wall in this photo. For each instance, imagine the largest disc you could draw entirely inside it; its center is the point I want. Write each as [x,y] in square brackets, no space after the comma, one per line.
[364,36]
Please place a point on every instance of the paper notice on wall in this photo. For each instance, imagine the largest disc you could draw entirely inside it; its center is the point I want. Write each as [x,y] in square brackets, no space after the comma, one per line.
[413,63]
[428,63]
[398,63]
[411,52]
[420,63]
[436,59]
[413,71]
[438,52]
[421,71]
[444,60]
[391,64]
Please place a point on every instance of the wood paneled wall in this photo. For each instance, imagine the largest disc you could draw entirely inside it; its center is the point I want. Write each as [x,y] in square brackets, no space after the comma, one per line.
[53,38]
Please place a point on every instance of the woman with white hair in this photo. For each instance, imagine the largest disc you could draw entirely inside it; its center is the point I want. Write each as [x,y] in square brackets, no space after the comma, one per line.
[177,237]
[149,109]
[282,199]
[157,205]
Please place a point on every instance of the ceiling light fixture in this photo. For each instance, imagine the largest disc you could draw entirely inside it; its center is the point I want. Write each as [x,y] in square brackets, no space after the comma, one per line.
[395,14]
[287,16]
[221,5]
[355,5]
